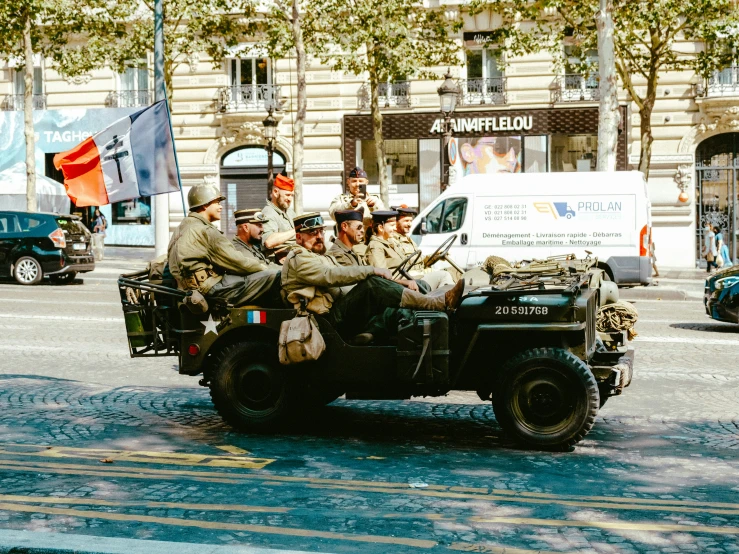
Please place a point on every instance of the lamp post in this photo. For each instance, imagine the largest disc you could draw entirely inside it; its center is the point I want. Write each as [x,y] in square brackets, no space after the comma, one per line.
[448,96]
[270,135]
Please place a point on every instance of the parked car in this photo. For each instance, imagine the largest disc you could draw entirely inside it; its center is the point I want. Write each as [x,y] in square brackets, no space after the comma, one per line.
[34,245]
[721,296]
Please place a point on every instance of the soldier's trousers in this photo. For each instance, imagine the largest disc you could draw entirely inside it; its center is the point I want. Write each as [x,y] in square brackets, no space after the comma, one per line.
[435,279]
[260,289]
[364,308]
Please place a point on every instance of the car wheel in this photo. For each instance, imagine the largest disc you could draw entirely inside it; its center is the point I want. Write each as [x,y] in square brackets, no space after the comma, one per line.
[249,387]
[27,271]
[546,397]
[63,278]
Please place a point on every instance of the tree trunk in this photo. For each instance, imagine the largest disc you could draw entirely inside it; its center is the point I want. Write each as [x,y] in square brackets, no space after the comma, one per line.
[608,113]
[31,204]
[645,113]
[299,125]
[379,140]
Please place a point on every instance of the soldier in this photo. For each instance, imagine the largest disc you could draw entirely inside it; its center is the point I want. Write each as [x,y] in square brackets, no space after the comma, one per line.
[406,247]
[202,259]
[356,197]
[349,233]
[249,231]
[308,270]
[278,229]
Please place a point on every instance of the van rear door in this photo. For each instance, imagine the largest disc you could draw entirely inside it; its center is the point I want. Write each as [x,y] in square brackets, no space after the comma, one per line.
[450,216]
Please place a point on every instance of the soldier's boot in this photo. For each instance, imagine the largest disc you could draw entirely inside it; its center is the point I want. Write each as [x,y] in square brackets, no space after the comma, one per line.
[449,302]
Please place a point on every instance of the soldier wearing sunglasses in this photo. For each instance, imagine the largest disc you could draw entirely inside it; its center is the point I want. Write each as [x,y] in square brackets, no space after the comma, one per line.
[249,233]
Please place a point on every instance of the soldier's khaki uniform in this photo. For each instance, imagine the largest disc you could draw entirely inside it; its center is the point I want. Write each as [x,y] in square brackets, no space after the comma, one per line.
[383,253]
[201,258]
[277,221]
[352,312]
[254,252]
[344,255]
[344,202]
[434,278]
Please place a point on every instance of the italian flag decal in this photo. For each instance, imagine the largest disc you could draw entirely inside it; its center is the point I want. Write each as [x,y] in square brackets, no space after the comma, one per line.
[256,317]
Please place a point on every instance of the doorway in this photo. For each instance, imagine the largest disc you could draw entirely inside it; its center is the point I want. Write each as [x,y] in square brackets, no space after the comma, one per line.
[717,164]
[244,181]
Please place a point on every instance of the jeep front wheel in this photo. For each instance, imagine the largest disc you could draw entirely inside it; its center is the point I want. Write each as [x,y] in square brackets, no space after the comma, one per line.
[546,397]
[249,387]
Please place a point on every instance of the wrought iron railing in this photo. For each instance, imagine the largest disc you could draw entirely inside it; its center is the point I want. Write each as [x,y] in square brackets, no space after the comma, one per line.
[723,83]
[575,88]
[14,102]
[128,99]
[482,91]
[246,98]
[391,95]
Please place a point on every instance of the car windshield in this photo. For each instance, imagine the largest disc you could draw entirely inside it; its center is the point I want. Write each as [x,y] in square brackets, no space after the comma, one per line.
[71,226]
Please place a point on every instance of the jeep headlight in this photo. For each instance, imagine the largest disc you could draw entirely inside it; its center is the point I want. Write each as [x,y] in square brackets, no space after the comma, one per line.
[726,282]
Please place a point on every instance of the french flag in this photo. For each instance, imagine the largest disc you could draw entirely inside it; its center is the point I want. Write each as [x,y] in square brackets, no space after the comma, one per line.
[133,157]
[256,317]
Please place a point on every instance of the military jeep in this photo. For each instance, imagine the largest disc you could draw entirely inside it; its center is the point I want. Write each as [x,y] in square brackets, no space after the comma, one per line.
[523,337]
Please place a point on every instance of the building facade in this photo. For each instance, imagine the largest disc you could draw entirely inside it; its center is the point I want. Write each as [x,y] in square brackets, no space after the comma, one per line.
[517,116]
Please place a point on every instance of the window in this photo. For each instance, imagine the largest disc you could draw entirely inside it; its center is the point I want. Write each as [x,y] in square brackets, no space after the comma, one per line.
[482,64]
[446,217]
[132,212]
[135,78]
[28,223]
[573,152]
[9,224]
[249,71]
[19,84]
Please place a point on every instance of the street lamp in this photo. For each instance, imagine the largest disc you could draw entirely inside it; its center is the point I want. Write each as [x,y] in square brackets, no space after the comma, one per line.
[270,135]
[448,96]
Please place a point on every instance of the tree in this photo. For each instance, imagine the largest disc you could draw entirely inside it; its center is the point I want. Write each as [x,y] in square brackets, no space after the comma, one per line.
[608,113]
[389,40]
[646,37]
[71,34]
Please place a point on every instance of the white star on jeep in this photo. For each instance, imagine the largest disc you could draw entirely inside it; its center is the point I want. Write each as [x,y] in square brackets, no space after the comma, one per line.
[210,326]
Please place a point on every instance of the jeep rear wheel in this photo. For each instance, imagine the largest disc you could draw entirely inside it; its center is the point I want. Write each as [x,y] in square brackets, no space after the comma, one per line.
[249,387]
[546,397]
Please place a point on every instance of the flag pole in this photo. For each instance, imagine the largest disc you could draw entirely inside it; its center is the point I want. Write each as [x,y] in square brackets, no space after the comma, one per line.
[161,204]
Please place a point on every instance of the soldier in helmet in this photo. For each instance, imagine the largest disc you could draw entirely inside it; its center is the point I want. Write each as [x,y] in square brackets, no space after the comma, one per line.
[356,197]
[249,232]
[202,259]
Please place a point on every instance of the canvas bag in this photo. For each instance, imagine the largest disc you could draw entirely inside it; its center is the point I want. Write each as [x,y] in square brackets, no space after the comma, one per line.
[300,340]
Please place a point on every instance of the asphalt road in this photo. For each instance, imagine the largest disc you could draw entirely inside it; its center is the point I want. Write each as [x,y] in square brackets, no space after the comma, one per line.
[93,442]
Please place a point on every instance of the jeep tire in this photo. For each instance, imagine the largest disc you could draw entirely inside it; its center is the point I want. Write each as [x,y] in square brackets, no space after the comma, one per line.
[249,388]
[546,397]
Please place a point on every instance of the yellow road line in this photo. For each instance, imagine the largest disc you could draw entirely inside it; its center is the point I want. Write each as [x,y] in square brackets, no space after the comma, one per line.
[233,449]
[219,525]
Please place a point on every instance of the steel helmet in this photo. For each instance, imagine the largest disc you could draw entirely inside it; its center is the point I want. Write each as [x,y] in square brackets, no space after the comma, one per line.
[200,195]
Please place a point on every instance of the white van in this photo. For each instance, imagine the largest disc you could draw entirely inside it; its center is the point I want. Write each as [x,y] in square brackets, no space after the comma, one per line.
[534,215]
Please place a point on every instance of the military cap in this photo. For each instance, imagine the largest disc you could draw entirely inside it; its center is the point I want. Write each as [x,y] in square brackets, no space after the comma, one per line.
[404,210]
[347,215]
[252,215]
[284,183]
[308,222]
[381,216]
[357,173]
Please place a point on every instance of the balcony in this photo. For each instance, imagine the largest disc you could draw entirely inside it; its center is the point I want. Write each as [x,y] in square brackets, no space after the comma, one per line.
[721,83]
[128,99]
[391,95]
[575,88]
[482,91]
[14,102]
[249,98]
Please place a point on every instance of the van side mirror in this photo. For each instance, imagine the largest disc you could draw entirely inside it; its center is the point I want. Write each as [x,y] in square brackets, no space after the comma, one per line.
[424,230]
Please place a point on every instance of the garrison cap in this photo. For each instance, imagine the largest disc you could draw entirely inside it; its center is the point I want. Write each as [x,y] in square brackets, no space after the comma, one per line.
[308,222]
[404,210]
[357,173]
[381,216]
[347,215]
[284,183]
[252,215]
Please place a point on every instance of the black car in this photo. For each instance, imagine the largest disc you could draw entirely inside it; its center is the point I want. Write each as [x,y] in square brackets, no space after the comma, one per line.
[36,244]
[721,296]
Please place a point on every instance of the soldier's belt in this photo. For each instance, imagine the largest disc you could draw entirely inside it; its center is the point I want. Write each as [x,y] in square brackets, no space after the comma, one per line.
[197,278]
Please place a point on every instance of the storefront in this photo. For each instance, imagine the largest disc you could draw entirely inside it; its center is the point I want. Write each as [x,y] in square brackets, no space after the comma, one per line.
[130,222]
[490,141]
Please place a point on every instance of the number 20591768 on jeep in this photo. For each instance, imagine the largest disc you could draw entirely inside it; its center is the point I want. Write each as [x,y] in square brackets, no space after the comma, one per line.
[527,341]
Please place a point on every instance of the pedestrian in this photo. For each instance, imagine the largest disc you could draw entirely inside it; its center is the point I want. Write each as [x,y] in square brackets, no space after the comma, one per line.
[724,256]
[652,248]
[709,247]
[100,224]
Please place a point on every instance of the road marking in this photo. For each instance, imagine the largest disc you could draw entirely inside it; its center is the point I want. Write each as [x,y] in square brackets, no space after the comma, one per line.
[60,317]
[680,340]
[266,529]
[233,449]
[56,301]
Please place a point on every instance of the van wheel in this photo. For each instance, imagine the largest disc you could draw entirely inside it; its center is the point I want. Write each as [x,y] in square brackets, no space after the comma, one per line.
[27,271]
[249,387]
[63,278]
[546,397]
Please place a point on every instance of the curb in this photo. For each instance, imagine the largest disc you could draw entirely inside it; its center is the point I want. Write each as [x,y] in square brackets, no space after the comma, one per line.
[655,293]
[29,542]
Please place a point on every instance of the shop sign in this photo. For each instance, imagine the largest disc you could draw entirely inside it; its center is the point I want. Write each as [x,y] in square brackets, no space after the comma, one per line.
[486,124]
[478,38]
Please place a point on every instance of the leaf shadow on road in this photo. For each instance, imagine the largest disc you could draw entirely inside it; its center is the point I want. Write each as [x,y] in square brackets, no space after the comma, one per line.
[716,327]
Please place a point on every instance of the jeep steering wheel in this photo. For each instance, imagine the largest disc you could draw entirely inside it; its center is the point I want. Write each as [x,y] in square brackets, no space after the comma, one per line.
[441,252]
[406,264]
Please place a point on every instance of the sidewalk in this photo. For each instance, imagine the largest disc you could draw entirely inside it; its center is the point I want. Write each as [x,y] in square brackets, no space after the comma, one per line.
[28,542]
[672,284]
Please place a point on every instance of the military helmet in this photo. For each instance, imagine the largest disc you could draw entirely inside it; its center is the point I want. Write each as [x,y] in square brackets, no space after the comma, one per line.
[200,195]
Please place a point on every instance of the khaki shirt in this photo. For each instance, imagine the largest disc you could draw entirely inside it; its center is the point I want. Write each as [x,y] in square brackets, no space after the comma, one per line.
[304,268]
[197,245]
[407,247]
[344,202]
[344,255]
[278,221]
[383,253]
[253,252]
